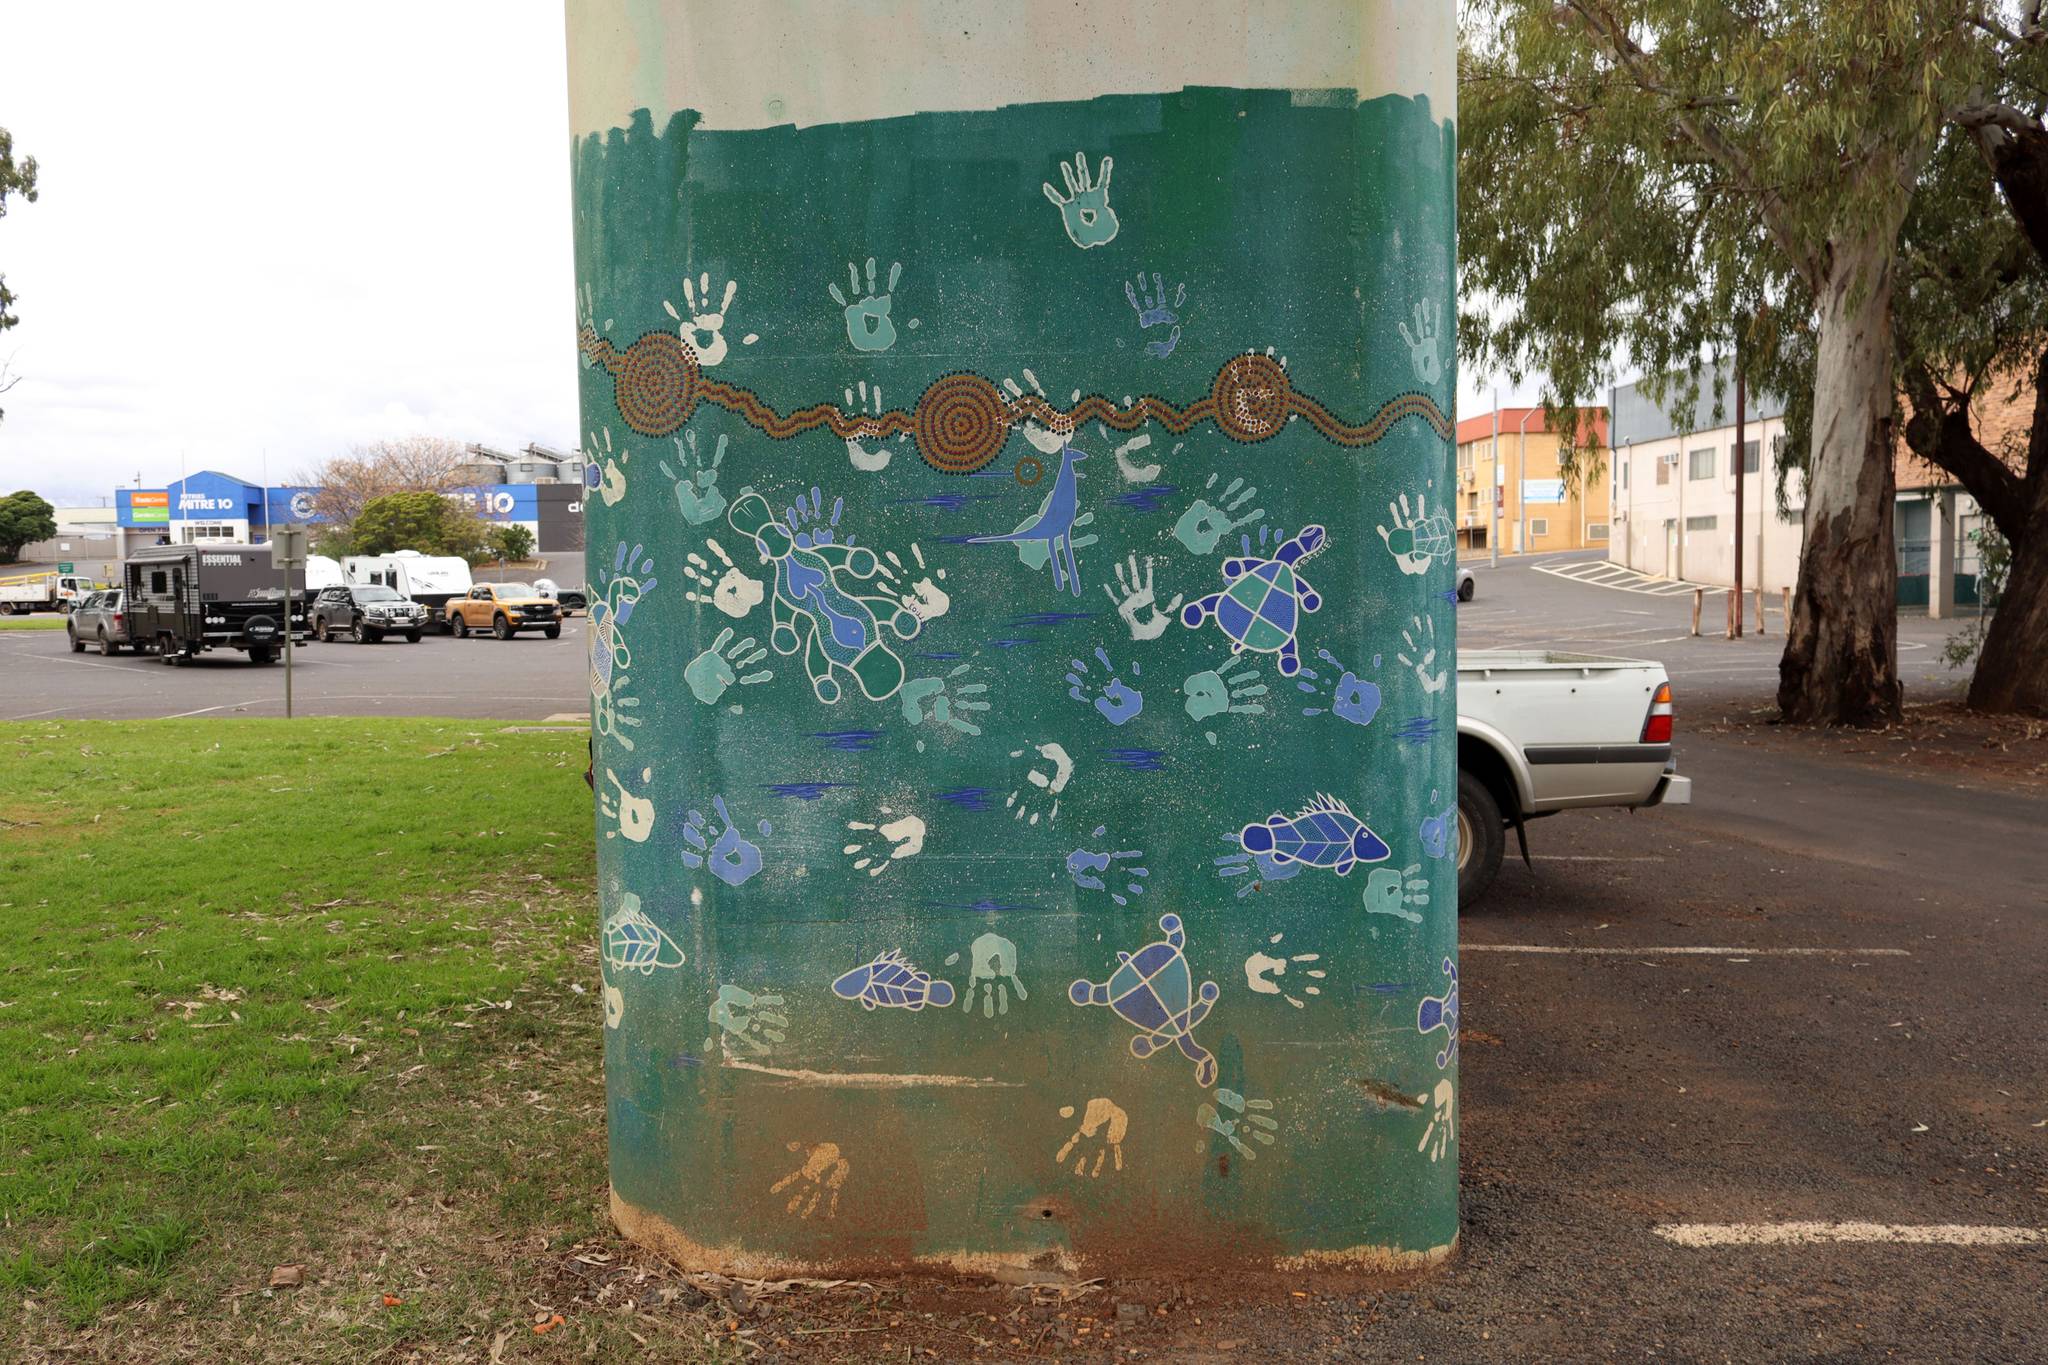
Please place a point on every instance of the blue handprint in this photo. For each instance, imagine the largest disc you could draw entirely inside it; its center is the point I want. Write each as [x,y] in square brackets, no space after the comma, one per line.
[1116,702]
[1240,863]
[1153,310]
[731,858]
[1350,697]
[1086,867]
[1435,830]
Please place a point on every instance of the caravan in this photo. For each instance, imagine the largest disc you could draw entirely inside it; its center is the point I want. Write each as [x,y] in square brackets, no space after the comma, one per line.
[430,580]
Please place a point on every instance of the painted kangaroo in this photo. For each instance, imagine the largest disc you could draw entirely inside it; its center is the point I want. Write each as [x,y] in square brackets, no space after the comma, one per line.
[1053,527]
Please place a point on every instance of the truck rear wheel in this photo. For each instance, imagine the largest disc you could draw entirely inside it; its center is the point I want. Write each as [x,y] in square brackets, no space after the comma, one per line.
[107,647]
[168,651]
[1482,839]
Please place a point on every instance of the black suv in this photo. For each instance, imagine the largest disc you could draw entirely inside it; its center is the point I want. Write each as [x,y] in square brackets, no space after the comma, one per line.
[369,612]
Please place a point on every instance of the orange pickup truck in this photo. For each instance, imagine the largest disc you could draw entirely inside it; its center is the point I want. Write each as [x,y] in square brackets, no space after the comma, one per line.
[504,609]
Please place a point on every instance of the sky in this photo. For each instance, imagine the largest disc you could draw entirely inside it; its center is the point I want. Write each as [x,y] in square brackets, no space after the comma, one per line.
[269,232]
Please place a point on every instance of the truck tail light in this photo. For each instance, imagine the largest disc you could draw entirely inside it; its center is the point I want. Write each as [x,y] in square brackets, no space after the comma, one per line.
[1657,725]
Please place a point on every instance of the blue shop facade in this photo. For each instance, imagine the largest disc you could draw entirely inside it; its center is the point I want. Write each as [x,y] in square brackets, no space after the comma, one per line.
[209,506]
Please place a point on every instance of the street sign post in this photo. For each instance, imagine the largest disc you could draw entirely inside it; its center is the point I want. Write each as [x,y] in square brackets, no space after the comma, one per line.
[288,552]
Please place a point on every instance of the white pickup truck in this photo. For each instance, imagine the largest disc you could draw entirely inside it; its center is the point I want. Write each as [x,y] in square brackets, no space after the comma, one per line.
[1541,731]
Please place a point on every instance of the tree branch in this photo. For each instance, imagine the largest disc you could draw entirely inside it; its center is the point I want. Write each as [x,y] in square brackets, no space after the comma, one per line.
[1705,134]
[1939,432]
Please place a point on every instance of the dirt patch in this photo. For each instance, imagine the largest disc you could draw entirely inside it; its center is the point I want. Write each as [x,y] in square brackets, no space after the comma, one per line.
[1936,739]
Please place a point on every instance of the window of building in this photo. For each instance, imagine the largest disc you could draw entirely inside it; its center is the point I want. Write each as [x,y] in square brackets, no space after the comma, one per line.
[1701,523]
[1539,526]
[1624,474]
[1596,530]
[1751,454]
[1664,463]
[1701,464]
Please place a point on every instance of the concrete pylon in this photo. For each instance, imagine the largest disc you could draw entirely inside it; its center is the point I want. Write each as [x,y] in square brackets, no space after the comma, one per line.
[1021,565]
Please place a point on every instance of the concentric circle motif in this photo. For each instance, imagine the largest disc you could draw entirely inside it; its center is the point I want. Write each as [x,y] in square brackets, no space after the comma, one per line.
[1030,469]
[1251,396]
[962,423]
[654,383]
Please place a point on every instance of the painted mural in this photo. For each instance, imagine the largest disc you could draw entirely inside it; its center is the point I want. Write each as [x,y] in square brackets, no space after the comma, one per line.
[1021,631]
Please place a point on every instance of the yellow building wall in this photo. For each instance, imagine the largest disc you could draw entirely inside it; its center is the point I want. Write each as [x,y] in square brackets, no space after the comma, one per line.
[1577,522]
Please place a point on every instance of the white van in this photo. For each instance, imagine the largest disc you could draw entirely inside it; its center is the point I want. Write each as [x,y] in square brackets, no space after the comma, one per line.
[323,572]
[430,580]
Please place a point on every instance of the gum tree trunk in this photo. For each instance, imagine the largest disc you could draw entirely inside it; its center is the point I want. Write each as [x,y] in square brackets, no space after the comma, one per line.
[2012,669]
[1840,664]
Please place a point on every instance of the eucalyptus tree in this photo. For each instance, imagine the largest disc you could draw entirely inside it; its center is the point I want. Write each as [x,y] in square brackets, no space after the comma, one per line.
[17,177]
[1661,180]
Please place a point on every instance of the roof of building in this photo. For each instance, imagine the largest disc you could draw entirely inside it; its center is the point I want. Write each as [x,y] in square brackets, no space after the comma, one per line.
[1513,420]
[1639,417]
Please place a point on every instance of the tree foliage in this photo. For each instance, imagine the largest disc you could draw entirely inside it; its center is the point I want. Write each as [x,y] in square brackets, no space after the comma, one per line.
[512,541]
[1662,184]
[24,519]
[17,177]
[347,483]
[425,521]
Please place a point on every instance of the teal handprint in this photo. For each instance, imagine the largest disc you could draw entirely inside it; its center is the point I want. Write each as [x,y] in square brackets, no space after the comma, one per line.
[1401,894]
[697,495]
[1211,693]
[952,704]
[1203,526]
[868,325]
[717,668]
[1085,211]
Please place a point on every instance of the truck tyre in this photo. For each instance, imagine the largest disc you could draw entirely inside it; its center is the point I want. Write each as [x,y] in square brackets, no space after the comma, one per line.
[366,636]
[1482,839]
[320,630]
[501,627]
[552,632]
[459,626]
[77,645]
[108,649]
[168,651]
[1466,589]
[412,637]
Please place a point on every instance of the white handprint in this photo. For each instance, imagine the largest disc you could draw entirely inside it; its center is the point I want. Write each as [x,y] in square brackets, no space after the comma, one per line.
[1425,647]
[865,460]
[1133,596]
[1436,1138]
[704,330]
[1422,342]
[905,838]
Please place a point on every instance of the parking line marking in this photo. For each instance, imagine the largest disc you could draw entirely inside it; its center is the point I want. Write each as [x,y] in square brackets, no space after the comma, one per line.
[1808,1234]
[1603,950]
[1594,858]
[224,706]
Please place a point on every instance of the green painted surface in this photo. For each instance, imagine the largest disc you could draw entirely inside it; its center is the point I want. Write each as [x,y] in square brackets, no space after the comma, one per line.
[1043,772]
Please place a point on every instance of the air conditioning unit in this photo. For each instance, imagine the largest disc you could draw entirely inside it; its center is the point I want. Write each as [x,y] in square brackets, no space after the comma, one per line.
[1671,459]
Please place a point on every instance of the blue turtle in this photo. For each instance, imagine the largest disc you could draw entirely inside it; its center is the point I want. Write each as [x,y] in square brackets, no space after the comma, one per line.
[1324,833]
[891,982]
[633,942]
[1261,609]
[1151,990]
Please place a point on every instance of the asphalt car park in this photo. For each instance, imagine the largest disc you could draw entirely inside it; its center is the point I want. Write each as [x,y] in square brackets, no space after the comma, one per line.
[528,676]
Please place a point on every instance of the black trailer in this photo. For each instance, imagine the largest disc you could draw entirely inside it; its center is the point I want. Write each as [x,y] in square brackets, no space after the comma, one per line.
[186,599]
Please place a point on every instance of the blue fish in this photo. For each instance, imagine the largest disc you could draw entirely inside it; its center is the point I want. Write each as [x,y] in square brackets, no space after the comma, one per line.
[890,982]
[1323,833]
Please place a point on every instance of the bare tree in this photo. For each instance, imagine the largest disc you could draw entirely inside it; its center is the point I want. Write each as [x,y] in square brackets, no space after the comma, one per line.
[411,464]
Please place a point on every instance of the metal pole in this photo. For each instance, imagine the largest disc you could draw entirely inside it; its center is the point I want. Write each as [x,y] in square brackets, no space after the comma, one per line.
[287,640]
[1493,493]
[1521,478]
[1741,477]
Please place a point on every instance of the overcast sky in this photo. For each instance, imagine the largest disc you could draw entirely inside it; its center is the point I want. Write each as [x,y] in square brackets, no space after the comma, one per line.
[270,231]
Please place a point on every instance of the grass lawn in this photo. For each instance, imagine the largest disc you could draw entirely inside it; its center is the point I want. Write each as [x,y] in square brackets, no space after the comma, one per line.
[321,993]
[31,622]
